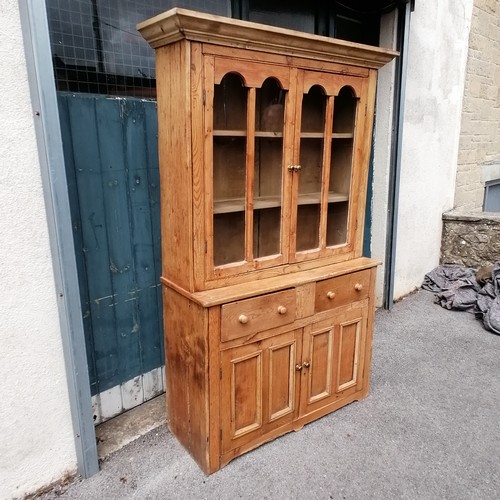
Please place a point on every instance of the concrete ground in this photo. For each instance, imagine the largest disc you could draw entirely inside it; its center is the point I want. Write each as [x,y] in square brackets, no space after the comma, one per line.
[430,429]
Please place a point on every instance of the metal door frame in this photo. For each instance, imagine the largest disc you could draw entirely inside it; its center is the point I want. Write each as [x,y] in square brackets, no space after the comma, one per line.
[33,14]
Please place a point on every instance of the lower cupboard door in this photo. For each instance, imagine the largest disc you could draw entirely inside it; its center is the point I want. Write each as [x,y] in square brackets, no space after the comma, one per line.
[332,359]
[259,389]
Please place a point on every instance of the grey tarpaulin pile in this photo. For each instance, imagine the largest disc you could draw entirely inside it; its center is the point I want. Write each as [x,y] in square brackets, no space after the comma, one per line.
[457,287]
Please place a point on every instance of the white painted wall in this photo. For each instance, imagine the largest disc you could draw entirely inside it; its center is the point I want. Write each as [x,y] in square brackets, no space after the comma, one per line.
[434,89]
[36,435]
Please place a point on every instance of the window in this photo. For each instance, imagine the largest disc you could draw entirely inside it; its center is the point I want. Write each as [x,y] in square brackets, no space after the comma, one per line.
[492,196]
[96,47]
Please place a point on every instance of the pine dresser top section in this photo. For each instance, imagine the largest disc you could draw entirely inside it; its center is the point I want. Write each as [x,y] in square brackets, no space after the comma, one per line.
[177,24]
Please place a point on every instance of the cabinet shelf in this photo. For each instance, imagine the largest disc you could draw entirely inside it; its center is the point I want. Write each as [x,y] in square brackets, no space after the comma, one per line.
[321,135]
[315,198]
[238,204]
[272,135]
[243,133]
[229,133]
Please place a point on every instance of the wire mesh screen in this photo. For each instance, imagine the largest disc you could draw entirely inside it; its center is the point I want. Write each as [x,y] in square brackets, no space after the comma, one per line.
[96,47]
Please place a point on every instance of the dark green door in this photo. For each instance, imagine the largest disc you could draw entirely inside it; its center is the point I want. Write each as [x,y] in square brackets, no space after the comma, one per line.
[110,147]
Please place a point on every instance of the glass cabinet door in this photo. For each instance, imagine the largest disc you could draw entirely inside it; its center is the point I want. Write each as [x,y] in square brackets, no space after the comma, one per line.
[229,169]
[340,175]
[323,165]
[249,107]
[310,175]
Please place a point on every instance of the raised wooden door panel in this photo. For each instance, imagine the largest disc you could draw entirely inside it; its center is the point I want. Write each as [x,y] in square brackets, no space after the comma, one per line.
[259,392]
[332,359]
[248,132]
[330,110]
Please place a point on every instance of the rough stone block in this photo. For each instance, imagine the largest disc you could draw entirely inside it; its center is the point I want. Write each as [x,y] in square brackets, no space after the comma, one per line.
[472,240]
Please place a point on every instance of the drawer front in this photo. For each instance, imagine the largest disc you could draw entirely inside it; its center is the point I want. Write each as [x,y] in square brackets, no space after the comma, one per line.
[342,290]
[250,316]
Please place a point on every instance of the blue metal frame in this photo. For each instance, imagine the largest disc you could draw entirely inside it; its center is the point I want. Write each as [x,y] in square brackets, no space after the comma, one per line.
[395,166]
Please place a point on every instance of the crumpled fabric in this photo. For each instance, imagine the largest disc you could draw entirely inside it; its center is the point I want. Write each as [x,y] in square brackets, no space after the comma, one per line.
[491,316]
[456,288]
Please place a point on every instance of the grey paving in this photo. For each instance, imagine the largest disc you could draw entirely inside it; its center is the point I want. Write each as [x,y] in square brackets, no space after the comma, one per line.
[429,430]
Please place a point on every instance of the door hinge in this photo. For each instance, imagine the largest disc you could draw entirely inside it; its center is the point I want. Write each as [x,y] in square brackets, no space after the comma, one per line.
[220,435]
[206,246]
[204,97]
[220,373]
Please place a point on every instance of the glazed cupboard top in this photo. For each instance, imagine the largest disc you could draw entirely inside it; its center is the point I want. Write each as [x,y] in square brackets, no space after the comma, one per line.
[264,138]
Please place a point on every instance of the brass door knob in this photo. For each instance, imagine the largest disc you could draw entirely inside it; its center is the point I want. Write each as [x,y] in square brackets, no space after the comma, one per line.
[298,367]
[358,287]
[243,319]
[307,364]
[282,310]
[330,295]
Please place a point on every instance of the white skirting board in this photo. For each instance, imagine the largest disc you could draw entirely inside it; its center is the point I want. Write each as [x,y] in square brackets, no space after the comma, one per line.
[131,393]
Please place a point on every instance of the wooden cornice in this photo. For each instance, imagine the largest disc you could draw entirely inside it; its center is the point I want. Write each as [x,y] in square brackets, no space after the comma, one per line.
[177,24]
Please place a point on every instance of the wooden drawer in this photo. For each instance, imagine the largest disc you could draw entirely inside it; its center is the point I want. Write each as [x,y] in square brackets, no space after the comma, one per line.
[342,290]
[250,316]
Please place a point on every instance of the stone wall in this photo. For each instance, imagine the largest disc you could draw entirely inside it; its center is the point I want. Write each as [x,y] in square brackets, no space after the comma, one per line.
[479,150]
[470,240]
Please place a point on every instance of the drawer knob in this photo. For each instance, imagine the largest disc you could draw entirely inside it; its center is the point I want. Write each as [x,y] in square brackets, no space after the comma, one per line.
[330,295]
[358,287]
[243,319]
[307,364]
[298,367]
[282,310]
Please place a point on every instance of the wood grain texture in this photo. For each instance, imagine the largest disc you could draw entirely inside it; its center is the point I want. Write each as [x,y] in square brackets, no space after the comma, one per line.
[174,106]
[250,177]
[368,342]
[284,60]
[177,24]
[259,392]
[305,300]
[363,149]
[187,374]
[111,158]
[327,157]
[246,317]
[349,347]
[214,375]
[253,74]
[231,293]
[198,98]
[342,290]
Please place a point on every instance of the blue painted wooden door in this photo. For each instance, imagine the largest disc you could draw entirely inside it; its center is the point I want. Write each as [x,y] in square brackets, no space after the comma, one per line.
[110,148]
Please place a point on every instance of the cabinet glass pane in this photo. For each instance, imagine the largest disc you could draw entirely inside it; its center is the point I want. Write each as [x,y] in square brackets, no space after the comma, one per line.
[311,161]
[229,170]
[268,168]
[341,167]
